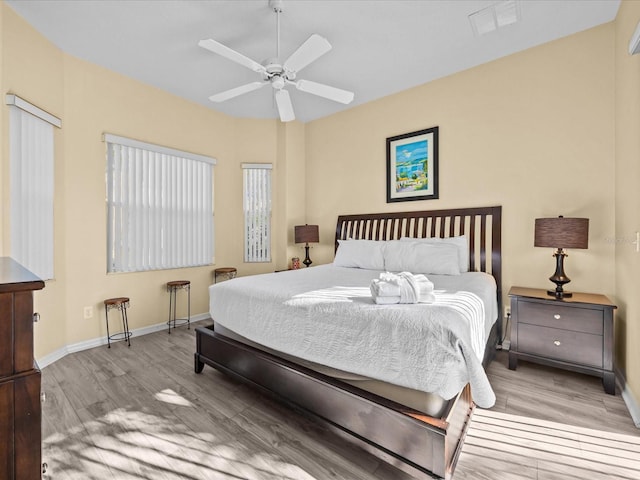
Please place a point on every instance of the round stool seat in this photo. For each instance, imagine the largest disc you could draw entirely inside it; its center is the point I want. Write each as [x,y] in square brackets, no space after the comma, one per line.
[116,302]
[228,272]
[178,284]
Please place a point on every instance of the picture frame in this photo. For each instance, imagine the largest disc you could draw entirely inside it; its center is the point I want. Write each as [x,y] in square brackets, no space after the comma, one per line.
[412,166]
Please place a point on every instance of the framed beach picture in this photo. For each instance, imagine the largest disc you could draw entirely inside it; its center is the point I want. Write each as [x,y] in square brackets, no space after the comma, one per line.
[412,166]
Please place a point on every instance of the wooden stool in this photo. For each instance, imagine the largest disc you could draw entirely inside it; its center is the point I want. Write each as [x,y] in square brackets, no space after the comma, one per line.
[172,288]
[119,303]
[227,272]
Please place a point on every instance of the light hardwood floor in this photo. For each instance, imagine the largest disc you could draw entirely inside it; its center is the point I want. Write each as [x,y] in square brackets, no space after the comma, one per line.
[142,413]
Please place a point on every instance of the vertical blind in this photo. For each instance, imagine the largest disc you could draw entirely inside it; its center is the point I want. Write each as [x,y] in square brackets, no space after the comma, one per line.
[257,212]
[31,176]
[160,207]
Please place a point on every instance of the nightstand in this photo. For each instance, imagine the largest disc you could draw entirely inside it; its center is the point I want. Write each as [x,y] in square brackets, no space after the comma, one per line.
[574,333]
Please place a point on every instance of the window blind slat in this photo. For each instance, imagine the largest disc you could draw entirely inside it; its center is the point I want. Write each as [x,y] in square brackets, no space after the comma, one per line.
[159,222]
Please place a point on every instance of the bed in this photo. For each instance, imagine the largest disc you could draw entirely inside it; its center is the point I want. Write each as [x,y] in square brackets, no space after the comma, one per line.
[422,441]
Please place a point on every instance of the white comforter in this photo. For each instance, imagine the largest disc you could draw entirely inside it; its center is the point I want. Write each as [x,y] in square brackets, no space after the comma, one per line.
[326,315]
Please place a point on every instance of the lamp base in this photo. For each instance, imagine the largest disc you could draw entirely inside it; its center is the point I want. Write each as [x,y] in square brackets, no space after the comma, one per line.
[307,261]
[559,277]
[561,294]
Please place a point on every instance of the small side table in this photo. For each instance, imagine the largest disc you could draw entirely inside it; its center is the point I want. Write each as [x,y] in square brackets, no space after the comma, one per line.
[172,288]
[224,273]
[121,304]
[574,333]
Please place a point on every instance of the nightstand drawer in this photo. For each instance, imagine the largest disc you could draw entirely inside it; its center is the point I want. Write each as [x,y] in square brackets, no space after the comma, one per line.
[560,316]
[568,346]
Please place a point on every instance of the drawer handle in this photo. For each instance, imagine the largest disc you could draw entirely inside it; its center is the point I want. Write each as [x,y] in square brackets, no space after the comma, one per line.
[557,316]
[36,317]
[557,343]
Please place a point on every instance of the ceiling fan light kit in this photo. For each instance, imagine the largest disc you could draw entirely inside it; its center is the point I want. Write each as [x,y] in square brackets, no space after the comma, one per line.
[280,75]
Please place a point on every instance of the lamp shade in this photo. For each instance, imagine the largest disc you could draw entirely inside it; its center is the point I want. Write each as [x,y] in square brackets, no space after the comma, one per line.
[562,232]
[306,233]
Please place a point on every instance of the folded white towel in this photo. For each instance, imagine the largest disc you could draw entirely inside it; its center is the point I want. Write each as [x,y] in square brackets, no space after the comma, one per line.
[409,291]
[385,289]
[424,283]
[428,297]
[387,300]
[403,287]
[389,277]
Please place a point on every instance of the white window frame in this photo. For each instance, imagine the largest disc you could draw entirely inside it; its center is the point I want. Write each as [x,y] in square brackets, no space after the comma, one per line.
[257,212]
[32,165]
[159,207]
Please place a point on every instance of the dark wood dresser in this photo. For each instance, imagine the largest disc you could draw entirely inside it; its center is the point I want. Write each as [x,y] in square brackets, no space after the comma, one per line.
[20,409]
[574,333]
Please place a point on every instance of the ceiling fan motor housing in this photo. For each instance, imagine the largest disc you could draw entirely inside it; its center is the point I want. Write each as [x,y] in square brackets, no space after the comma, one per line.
[276,74]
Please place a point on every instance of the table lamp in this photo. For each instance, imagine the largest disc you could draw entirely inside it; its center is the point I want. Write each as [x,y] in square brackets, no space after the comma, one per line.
[561,233]
[305,234]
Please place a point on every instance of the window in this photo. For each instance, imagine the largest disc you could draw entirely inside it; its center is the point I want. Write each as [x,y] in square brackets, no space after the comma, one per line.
[160,207]
[257,212]
[31,167]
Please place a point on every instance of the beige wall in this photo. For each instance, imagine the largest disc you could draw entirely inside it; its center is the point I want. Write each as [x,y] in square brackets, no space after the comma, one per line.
[627,200]
[533,132]
[32,68]
[91,100]
[3,140]
[292,138]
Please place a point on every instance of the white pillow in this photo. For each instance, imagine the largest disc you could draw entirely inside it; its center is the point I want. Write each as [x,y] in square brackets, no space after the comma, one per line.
[459,242]
[360,254]
[421,257]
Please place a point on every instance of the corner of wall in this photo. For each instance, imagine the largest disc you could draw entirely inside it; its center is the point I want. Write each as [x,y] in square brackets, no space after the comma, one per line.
[4,145]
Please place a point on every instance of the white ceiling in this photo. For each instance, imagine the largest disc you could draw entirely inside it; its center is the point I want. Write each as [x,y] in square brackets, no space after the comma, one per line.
[379,46]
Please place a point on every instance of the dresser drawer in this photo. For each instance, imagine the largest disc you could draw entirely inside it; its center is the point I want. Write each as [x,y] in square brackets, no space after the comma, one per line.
[565,345]
[16,332]
[577,319]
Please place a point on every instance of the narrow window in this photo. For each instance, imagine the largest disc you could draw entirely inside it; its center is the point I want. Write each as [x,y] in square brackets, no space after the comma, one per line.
[31,167]
[257,212]
[159,207]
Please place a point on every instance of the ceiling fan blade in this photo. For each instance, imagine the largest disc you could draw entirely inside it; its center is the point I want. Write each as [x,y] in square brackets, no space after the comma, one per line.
[285,108]
[332,93]
[234,92]
[309,51]
[224,51]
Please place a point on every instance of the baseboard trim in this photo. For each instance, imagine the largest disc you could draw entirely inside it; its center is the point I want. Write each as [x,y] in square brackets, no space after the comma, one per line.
[629,398]
[96,342]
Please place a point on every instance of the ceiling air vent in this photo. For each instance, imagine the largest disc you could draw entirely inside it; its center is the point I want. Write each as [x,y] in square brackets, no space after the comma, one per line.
[495,16]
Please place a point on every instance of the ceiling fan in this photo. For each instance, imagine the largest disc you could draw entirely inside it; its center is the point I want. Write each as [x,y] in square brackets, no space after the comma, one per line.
[279,75]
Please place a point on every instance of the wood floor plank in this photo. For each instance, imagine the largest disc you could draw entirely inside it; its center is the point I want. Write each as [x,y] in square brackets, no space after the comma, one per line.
[141,412]
[487,464]
[493,417]
[312,455]
[616,451]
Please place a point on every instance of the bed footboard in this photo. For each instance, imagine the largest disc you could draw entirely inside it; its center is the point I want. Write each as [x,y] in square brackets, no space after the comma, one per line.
[424,446]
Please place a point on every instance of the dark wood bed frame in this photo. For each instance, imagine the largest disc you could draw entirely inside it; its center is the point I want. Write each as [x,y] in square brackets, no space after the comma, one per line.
[423,446]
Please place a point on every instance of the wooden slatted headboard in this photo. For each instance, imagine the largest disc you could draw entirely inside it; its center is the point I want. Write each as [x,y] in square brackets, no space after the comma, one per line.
[481,225]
